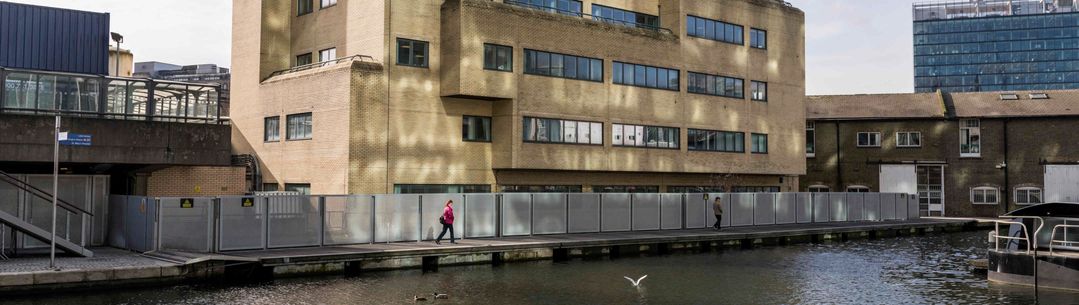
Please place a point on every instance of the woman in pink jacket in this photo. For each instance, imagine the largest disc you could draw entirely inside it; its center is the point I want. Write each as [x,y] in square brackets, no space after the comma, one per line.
[447,223]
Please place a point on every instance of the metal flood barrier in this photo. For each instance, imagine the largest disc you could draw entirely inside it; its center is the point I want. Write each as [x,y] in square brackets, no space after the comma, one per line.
[232,223]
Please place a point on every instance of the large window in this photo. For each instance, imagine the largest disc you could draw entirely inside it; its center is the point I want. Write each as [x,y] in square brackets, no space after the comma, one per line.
[271,129]
[811,139]
[303,59]
[857,189]
[304,7]
[908,139]
[819,189]
[624,17]
[755,189]
[713,140]
[625,189]
[1028,195]
[270,187]
[327,54]
[299,126]
[715,85]
[984,195]
[476,129]
[440,188]
[645,136]
[302,188]
[567,7]
[541,188]
[562,131]
[327,3]
[758,38]
[562,65]
[760,143]
[645,76]
[714,30]
[868,139]
[970,138]
[412,52]
[497,57]
[759,91]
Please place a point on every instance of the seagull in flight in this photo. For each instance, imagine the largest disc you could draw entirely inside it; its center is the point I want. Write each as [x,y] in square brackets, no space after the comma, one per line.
[636,283]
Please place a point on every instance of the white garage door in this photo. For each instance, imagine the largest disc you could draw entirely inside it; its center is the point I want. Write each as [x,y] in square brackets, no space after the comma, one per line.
[898,179]
[1062,183]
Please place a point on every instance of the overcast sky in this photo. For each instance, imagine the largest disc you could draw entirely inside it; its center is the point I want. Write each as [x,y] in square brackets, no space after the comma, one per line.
[852,46]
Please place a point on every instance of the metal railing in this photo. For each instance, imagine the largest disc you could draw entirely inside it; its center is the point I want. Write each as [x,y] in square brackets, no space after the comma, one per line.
[363,58]
[1065,243]
[39,193]
[588,16]
[997,237]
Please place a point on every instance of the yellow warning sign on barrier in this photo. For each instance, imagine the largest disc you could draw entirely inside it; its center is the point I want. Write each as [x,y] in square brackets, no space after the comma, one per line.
[247,202]
[187,203]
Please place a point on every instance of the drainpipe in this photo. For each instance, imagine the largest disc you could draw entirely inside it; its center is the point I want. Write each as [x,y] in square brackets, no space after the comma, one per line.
[1007,187]
[838,159]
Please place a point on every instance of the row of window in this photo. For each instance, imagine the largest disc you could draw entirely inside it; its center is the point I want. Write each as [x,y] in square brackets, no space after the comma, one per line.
[323,55]
[543,130]
[562,65]
[298,127]
[645,136]
[645,76]
[624,17]
[970,142]
[304,7]
[902,139]
[978,195]
[484,188]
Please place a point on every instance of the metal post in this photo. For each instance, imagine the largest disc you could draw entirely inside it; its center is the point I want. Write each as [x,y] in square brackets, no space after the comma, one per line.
[322,221]
[55,179]
[419,220]
[374,209]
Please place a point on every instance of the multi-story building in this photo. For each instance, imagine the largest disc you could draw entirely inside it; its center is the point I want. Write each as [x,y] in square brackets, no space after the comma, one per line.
[379,96]
[996,45]
[203,74]
[964,154]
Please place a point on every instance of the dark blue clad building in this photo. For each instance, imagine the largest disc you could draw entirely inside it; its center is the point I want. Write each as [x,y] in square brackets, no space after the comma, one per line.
[996,45]
[53,39]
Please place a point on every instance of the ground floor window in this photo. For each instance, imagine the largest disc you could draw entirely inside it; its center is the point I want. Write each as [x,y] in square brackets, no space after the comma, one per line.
[755,189]
[270,187]
[984,195]
[819,189]
[625,189]
[1028,195]
[302,188]
[541,188]
[857,189]
[440,188]
[694,189]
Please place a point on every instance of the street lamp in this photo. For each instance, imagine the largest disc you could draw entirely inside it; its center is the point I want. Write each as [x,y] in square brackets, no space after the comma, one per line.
[118,39]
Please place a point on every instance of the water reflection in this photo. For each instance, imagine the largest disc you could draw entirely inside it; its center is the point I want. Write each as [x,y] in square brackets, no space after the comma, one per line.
[910,270]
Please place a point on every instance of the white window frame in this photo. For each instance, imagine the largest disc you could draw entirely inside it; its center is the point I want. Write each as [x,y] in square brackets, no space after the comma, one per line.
[327,3]
[823,188]
[899,136]
[985,193]
[970,128]
[1028,189]
[324,53]
[812,126]
[858,139]
[860,188]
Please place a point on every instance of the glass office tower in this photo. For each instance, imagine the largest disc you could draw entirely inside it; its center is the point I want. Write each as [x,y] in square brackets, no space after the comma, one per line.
[996,45]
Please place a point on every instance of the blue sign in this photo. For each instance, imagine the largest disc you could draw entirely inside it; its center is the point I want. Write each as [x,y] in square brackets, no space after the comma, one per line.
[74,139]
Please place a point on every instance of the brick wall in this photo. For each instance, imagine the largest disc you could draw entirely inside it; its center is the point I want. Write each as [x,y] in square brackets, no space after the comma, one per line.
[197,181]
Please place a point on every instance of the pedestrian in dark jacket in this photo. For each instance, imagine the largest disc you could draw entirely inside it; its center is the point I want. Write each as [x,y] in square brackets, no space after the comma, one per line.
[717,207]
[447,223]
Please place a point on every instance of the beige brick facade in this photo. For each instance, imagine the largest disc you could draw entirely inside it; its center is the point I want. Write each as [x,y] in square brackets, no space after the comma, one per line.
[377,123]
[196,181]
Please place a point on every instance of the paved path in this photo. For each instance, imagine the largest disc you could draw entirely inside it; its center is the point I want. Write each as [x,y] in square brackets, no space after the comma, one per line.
[104,258]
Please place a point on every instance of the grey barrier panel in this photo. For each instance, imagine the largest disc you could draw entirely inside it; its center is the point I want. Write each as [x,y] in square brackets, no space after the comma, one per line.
[670,211]
[615,212]
[397,218]
[433,207]
[100,201]
[698,210]
[901,206]
[887,206]
[837,206]
[645,211]
[764,210]
[240,227]
[912,207]
[583,213]
[786,208]
[742,209]
[117,212]
[140,224]
[295,221]
[804,207]
[482,215]
[871,206]
[821,206]
[728,210]
[516,214]
[348,219]
[185,229]
[549,213]
[854,206]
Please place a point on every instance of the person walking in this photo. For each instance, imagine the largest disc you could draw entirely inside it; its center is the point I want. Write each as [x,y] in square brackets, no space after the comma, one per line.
[717,207]
[447,223]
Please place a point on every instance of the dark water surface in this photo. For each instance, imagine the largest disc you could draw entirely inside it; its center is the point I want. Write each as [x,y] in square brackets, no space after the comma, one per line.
[929,269]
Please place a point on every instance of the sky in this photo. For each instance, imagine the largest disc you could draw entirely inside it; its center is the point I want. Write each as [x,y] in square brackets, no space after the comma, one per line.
[852,46]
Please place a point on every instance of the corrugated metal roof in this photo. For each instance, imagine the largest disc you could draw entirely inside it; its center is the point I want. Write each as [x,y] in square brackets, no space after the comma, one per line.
[53,39]
[874,106]
[990,104]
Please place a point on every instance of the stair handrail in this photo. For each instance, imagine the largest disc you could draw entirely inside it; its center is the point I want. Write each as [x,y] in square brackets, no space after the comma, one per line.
[37,192]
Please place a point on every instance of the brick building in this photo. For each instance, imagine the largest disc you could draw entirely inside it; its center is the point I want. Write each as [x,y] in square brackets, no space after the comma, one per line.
[965,154]
[382,96]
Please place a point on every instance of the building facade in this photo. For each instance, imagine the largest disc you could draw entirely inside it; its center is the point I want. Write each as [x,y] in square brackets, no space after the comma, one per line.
[996,45]
[487,96]
[964,154]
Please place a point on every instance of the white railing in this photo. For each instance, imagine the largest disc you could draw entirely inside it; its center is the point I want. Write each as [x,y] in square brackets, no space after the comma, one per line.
[1064,243]
[997,237]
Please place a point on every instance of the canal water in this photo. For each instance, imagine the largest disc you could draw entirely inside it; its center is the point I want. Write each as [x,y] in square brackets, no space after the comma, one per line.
[930,269]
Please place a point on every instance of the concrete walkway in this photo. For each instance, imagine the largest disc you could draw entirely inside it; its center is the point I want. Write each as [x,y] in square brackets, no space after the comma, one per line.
[31,269]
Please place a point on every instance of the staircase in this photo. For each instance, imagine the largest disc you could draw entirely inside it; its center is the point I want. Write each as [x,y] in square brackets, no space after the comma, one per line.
[31,230]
